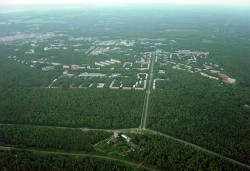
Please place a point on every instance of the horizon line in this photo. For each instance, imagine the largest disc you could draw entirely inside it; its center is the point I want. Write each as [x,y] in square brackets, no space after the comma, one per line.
[122,2]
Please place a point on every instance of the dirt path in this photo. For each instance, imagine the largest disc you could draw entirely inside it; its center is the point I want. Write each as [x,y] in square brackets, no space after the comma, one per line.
[80,154]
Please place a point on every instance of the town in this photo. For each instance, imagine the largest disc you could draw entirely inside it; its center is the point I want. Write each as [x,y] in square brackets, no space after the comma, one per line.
[124,87]
[113,64]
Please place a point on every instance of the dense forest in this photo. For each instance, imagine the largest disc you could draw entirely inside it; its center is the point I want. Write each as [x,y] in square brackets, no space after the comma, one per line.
[72,108]
[21,160]
[200,111]
[50,138]
[35,146]
[167,154]
[14,74]
[23,100]
[207,113]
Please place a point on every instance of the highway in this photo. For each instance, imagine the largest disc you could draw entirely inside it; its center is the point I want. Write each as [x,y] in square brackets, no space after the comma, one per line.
[148,91]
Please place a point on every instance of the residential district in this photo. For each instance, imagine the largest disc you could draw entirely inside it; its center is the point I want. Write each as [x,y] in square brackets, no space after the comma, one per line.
[115,64]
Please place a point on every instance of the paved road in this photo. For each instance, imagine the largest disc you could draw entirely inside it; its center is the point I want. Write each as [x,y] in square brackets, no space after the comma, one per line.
[140,131]
[149,87]
[201,149]
[83,129]
[3,148]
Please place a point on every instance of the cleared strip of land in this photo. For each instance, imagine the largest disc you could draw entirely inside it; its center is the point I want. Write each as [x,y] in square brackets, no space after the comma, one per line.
[78,154]
[140,131]
[149,87]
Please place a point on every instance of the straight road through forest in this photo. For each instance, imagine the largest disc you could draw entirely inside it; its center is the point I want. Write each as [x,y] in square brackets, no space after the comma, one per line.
[148,91]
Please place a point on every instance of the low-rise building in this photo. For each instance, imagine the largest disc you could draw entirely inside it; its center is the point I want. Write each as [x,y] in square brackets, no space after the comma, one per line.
[75,67]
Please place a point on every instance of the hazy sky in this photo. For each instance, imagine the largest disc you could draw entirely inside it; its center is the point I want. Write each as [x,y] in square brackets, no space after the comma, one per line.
[113,2]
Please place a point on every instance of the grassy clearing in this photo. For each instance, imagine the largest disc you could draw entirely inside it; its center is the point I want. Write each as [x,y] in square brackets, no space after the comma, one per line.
[114,146]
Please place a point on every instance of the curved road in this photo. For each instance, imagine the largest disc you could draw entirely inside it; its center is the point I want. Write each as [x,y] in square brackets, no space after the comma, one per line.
[92,155]
[79,154]
[201,149]
[139,131]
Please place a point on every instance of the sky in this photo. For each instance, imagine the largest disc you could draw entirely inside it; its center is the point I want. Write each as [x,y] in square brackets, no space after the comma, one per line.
[113,2]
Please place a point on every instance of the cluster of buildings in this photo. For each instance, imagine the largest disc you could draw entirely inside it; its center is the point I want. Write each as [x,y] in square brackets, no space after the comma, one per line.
[127,63]
[187,60]
[99,50]
[86,74]
[17,60]
[75,67]
[33,63]
[130,143]
[115,43]
[158,79]
[209,76]
[103,46]
[47,68]
[85,39]
[67,74]
[191,52]
[25,38]
[57,45]
[107,62]
[227,79]
[144,61]
[30,51]
[140,84]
